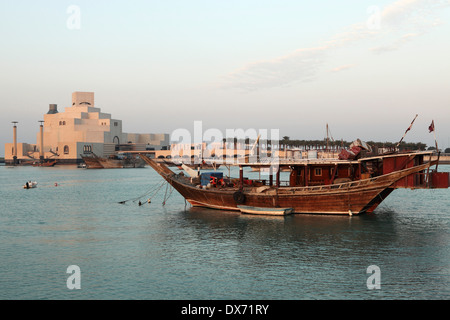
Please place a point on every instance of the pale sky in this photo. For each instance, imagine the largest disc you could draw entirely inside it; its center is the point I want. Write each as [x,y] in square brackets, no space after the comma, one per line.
[364,67]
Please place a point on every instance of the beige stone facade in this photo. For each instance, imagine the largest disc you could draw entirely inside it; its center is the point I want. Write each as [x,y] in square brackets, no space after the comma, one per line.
[81,129]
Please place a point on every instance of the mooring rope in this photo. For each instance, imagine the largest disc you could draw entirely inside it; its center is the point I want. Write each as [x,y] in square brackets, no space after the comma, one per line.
[165,194]
[153,189]
[170,193]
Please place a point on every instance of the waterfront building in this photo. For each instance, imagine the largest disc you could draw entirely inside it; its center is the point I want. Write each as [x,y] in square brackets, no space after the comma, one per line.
[82,129]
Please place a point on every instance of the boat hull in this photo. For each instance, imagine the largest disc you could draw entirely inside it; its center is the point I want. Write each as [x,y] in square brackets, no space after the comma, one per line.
[265,211]
[44,164]
[110,164]
[92,163]
[95,162]
[340,202]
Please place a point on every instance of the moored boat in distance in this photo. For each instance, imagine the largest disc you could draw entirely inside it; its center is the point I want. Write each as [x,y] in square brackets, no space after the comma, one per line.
[30,185]
[44,163]
[357,182]
[93,161]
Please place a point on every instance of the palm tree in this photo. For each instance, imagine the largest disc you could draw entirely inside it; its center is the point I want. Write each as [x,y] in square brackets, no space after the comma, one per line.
[224,148]
[285,141]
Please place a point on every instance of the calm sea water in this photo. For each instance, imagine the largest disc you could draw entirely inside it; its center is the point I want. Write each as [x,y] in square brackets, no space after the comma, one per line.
[173,251]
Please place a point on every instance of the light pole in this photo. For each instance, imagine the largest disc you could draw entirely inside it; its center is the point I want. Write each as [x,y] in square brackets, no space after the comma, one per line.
[41,147]
[15,141]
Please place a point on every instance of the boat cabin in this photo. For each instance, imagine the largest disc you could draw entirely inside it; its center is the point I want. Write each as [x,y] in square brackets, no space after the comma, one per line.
[319,172]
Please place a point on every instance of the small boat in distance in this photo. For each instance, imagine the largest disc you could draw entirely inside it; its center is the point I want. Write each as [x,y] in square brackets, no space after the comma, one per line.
[44,163]
[30,185]
[112,162]
[91,161]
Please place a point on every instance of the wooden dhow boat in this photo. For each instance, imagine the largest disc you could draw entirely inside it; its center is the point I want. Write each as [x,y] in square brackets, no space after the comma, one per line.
[93,161]
[348,185]
[44,163]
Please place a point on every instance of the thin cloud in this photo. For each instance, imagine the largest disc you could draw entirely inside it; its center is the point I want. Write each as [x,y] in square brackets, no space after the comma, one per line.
[342,68]
[411,11]
[299,66]
[396,44]
[304,64]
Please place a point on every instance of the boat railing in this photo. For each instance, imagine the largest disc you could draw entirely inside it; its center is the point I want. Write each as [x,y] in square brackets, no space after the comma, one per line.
[353,184]
[322,187]
[333,187]
[265,182]
[344,185]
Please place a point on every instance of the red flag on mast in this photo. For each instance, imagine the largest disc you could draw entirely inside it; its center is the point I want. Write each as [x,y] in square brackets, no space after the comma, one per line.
[431,127]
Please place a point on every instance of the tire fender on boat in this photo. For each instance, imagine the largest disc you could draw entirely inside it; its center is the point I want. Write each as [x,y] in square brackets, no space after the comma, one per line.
[239,197]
